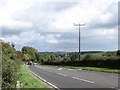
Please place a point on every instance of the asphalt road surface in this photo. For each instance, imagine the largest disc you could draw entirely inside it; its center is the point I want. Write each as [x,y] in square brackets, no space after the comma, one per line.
[64,78]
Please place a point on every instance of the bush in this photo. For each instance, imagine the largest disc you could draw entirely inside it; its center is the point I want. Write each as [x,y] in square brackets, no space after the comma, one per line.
[87,57]
[118,52]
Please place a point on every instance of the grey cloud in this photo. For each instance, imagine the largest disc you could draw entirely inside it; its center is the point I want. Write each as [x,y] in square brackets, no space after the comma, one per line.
[69,35]
[100,44]
[6,31]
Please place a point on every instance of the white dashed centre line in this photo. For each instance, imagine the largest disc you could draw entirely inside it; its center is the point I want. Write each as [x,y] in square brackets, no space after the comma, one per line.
[62,74]
[87,81]
[60,69]
[83,80]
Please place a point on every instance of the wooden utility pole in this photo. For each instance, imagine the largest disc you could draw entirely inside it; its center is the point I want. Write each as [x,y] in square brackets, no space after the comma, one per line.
[79,34]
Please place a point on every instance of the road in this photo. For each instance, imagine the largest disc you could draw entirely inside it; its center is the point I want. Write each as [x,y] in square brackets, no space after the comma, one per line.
[63,78]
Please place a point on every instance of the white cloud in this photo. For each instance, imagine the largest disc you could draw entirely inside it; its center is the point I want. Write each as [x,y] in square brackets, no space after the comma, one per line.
[107,34]
[105,18]
[52,40]
[10,8]
[100,33]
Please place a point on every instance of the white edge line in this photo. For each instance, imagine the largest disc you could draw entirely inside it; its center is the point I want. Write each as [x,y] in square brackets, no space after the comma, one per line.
[44,80]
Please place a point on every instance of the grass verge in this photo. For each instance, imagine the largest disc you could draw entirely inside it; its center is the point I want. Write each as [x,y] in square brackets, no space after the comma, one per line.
[95,69]
[28,80]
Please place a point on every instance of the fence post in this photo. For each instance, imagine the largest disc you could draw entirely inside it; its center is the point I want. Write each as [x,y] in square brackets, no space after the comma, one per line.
[18,85]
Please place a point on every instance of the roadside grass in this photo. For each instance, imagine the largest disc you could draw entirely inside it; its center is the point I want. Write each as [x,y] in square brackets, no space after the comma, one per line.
[94,69]
[28,80]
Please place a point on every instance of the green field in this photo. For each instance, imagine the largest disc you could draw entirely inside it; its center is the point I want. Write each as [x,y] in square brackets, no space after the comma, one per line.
[28,80]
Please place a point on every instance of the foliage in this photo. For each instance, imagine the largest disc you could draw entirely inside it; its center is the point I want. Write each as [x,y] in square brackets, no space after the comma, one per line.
[30,53]
[87,57]
[102,60]
[118,52]
[10,63]
[74,56]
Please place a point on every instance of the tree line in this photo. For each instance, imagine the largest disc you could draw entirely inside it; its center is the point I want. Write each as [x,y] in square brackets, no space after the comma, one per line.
[99,59]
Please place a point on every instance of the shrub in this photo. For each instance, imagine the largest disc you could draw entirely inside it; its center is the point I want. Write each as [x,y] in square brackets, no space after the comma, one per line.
[10,64]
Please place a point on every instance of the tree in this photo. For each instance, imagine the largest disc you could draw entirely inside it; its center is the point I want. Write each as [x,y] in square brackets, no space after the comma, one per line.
[30,53]
[37,56]
[12,44]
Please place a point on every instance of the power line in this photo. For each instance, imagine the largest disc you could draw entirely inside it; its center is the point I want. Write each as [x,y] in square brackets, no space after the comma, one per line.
[79,34]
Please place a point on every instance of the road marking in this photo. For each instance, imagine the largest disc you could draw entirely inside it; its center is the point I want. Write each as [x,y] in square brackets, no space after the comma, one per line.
[45,80]
[62,74]
[70,69]
[53,85]
[60,69]
[87,81]
[83,80]
[76,78]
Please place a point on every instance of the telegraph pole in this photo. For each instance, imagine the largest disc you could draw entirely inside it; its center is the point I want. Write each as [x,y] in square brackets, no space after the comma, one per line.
[79,34]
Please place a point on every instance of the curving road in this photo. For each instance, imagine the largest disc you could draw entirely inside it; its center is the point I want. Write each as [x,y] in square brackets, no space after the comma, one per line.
[63,78]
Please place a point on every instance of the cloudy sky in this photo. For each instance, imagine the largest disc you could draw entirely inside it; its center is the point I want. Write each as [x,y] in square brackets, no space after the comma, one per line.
[47,25]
